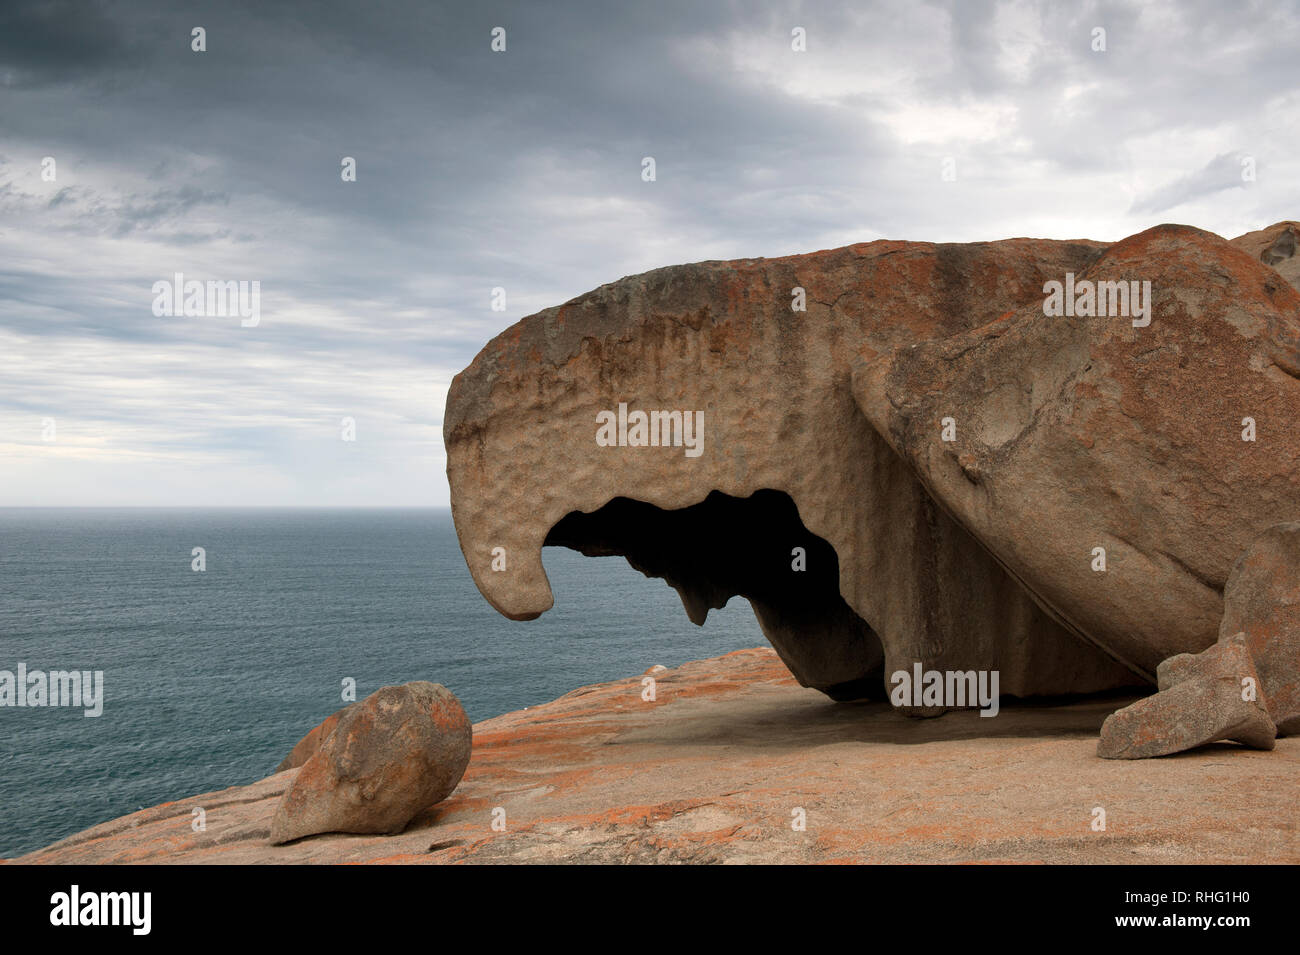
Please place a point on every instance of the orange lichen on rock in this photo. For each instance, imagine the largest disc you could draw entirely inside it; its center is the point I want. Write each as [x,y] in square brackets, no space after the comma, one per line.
[715,772]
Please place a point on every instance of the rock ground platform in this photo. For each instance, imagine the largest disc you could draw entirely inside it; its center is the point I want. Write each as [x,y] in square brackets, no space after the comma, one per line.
[713,770]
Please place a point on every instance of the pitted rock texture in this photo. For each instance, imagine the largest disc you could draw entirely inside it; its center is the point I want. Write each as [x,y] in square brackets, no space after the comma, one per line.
[823,432]
[390,757]
[779,416]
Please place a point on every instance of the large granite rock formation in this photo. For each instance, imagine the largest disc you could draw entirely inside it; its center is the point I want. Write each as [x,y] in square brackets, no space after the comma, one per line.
[774,388]
[1078,432]
[816,480]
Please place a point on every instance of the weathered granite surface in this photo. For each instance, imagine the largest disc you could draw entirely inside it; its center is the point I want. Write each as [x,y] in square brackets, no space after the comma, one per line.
[713,769]
[780,421]
[1081,432]
[970,481]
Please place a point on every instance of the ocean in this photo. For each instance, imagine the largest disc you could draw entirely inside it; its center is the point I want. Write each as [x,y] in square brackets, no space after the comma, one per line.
[211,677]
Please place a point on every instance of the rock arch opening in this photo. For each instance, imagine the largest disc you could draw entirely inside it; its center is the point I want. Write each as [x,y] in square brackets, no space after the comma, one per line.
[754,547]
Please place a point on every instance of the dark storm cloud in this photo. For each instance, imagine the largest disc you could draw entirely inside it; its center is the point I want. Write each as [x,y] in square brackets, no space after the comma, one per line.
[522,169]
[65,41]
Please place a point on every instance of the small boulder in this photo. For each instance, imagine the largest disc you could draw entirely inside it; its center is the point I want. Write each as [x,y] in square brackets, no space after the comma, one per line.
[1262,599]
[1203,698]
[391,756]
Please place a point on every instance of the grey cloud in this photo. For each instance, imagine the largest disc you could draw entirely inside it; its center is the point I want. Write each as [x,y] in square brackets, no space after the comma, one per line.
[522,169]
[51,42]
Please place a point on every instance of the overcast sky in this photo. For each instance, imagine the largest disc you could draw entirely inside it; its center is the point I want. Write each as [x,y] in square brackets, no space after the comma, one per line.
[522,169]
